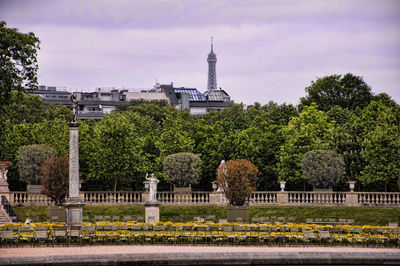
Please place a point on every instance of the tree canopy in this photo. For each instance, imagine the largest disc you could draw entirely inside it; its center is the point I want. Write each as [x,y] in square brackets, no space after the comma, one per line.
[30,158]
[323,168]
[18,63]
[182,169]
[348,91]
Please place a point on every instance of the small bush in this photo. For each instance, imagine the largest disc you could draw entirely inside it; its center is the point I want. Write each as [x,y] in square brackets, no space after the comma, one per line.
[55,179]
[29,159]
[238,179]
[182,169]
[322,168]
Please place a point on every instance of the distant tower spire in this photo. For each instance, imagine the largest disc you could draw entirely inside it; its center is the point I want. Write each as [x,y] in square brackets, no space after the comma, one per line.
[212,73]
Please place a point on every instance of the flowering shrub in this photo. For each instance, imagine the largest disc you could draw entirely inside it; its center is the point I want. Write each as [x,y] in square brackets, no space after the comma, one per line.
[6,164]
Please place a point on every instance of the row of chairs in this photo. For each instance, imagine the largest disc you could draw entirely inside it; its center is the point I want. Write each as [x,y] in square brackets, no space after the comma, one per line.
[187,234]
[99,218]
[273,219]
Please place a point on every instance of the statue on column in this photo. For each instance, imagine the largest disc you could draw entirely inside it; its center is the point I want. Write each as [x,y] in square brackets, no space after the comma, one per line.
[3,170]
[153,187]
[74,107]
[3,174]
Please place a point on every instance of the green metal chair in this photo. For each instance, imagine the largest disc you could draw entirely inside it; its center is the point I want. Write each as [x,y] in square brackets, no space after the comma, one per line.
[59,236]
[41,236]
[8,237]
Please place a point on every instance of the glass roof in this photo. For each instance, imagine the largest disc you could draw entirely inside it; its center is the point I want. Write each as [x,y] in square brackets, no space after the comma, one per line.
[216,95]
[194,95]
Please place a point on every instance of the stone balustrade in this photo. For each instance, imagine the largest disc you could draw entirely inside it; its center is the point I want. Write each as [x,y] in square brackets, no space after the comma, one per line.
[316,198]
[258,198]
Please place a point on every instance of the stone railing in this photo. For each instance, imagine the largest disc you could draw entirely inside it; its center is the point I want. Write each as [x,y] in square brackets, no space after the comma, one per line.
[263,198]
[258,198]
[316,198]
[379,198]
[110,197]
[194,197]
[28,199]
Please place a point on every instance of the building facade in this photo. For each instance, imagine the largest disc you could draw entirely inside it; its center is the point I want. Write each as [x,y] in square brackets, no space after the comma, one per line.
[96,104]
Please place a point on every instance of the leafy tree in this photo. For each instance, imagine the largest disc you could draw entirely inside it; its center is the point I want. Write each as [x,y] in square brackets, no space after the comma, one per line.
[348,92]
[323,168]
[339,115]
[347,141]
[381,144]
[234,117]
[29,159]
[238,179]
[309,131]
[18,62]
[174,138]
[30,108]
[260,144]
[282,113]
[55,180]
[116,158]
[182,169]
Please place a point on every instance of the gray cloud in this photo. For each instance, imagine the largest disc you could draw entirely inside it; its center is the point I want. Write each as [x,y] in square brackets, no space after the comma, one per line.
[266,50]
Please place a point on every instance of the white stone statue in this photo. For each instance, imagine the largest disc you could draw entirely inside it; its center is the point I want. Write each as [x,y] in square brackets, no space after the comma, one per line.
[74,107]
[153,186]
[225,171]
[3,173]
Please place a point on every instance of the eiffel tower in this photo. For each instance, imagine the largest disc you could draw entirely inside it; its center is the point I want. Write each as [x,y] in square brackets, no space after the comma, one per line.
[212,73]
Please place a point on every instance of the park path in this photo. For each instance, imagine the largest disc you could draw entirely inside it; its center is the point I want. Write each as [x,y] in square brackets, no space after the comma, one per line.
[148,249]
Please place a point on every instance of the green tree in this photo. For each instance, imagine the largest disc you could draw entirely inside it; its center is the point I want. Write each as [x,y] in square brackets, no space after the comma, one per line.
[381,144]
[18,62]
[30,108]
[55,179]
[260,145]
[323,168]
[174,137]
[238,179]
[349,92]
[182,169]
[309,131]
[29,159]
[116,159]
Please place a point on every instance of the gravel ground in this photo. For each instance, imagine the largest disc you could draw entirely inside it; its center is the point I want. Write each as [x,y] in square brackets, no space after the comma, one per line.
[143,249]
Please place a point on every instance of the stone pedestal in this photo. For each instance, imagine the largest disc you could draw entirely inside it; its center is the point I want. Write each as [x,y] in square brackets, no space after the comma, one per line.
[282,198]
[217,198]
[152,211]
[4,187]
[74,205]
[237,214]
[4,191]
[352,199]
[145,196]
[73,212]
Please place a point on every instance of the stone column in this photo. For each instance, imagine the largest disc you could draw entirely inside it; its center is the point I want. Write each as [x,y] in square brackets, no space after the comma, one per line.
[74,205]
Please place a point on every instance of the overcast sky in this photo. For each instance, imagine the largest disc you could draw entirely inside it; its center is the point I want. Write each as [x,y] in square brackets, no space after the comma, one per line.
[266,50]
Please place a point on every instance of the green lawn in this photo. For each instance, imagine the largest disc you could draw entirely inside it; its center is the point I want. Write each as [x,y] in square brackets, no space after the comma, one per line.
[361,215]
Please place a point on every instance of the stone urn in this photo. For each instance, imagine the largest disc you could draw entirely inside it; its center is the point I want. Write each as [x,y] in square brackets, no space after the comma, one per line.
[352,185]
[282,184]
